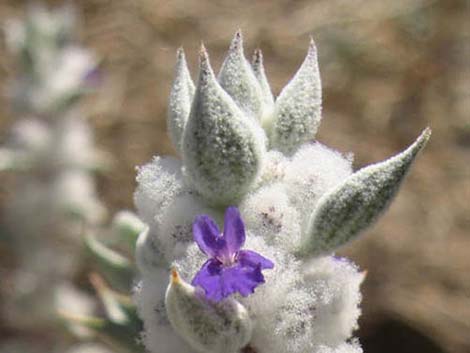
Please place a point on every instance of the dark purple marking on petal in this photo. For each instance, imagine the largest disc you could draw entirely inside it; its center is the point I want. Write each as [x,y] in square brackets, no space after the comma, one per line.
[208,278]
[207,236]
[252,259]
[234,230]
[219,282]
[240,279]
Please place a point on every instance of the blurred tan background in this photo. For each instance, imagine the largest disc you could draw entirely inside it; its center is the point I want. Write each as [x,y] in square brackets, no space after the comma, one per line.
[389,69]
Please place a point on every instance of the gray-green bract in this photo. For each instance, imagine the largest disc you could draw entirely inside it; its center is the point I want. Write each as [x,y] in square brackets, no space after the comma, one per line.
[299,201]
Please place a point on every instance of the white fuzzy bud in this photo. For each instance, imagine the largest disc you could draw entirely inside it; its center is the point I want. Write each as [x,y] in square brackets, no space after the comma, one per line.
[311,172]
[158,182]
[297,113]
[357,202]
[268,213]
[174,226]
[335,283]
[237,78]
[208,327]
[222,150]
[181,96]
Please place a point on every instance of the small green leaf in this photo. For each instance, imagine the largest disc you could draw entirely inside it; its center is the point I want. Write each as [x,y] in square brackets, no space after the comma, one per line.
[121,328]
[109,299]
[124,338]
[116,268]
[127,227]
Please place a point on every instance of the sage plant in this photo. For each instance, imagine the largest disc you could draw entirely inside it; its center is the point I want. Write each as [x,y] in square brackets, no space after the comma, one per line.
[50,150]
[269,282]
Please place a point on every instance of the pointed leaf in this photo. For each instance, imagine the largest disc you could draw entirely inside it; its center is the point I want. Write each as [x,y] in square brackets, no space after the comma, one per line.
[237,78]
[113,309]
[297,112]
[222,149]
[260,74]
[268,98]
[181,96]
[116,268]
[341,214]
[125,338]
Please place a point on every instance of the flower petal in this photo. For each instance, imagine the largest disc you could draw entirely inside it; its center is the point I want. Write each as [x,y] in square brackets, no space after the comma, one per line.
[208,278]
[248,258]
[207,236]
[241,279]
[234,230]
[219,282]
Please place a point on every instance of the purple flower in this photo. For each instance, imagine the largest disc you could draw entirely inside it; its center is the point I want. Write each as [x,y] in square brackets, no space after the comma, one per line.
[229,269]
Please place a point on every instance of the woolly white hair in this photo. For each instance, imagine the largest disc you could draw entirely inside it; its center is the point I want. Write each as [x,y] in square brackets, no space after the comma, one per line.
[158,335]
[302,307]
[285,185]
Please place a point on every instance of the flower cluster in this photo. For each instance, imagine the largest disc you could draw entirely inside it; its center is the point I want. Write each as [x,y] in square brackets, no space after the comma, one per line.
[298,202]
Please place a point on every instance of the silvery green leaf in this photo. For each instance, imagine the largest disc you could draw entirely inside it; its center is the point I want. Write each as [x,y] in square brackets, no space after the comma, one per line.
[127,226]
[297,112]
[122,337]
[120,327]
[356,203]
[222,149]
[117,269]
[181,96]
[208,327]
[109,299]
[260,74]
[237,78]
